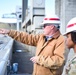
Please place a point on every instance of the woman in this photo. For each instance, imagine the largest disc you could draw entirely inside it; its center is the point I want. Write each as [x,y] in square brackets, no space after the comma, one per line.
[70,34]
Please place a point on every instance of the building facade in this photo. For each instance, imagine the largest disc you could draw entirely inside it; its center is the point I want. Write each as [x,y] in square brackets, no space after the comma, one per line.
[65,9]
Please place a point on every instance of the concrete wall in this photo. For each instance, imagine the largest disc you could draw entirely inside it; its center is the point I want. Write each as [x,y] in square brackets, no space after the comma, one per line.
[65,9]
[10,53]
[5,54]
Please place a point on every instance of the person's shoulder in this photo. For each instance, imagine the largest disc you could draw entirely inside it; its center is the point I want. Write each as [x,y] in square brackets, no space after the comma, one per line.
[61,38]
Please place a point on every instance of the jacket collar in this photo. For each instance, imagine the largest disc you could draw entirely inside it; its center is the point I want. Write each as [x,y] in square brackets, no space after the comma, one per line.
[56,35]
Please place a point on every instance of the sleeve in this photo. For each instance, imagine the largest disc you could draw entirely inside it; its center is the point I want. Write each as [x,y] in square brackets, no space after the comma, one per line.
[29,39]
[72,70]
[55,61]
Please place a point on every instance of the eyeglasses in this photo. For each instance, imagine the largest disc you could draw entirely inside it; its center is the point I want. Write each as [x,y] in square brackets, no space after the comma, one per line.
[56,25]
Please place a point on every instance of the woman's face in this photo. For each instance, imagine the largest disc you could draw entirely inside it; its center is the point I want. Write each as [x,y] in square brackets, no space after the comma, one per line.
[69,41]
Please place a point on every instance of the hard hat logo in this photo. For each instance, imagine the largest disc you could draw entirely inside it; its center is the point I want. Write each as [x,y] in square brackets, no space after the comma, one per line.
[51,19]
[71,26]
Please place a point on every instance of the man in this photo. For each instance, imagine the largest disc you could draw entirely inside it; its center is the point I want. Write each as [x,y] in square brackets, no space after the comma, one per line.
[49,58]
[70,67]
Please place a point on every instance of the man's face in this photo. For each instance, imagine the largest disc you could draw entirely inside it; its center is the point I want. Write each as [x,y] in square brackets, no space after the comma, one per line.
[48,28]
[69,41]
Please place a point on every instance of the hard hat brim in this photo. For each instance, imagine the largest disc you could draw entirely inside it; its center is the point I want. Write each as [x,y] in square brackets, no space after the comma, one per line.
[68,32]
[50,23]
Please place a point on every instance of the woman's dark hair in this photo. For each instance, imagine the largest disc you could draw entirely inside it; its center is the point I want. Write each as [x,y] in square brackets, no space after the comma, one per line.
[73,36]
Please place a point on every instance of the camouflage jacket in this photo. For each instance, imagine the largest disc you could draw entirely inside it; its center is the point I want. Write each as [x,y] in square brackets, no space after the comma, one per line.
[70,67]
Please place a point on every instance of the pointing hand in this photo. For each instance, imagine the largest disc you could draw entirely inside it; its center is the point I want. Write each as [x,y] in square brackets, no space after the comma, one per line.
[4,31]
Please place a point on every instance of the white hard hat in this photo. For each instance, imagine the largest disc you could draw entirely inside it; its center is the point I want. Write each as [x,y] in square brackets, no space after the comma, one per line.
[71,26]
[53,19]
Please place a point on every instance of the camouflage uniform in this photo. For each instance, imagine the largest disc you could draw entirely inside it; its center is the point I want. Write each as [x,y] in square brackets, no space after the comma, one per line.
[70,67]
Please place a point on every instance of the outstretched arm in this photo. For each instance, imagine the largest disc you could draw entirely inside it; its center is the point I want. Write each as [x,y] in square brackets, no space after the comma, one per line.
[23,37]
